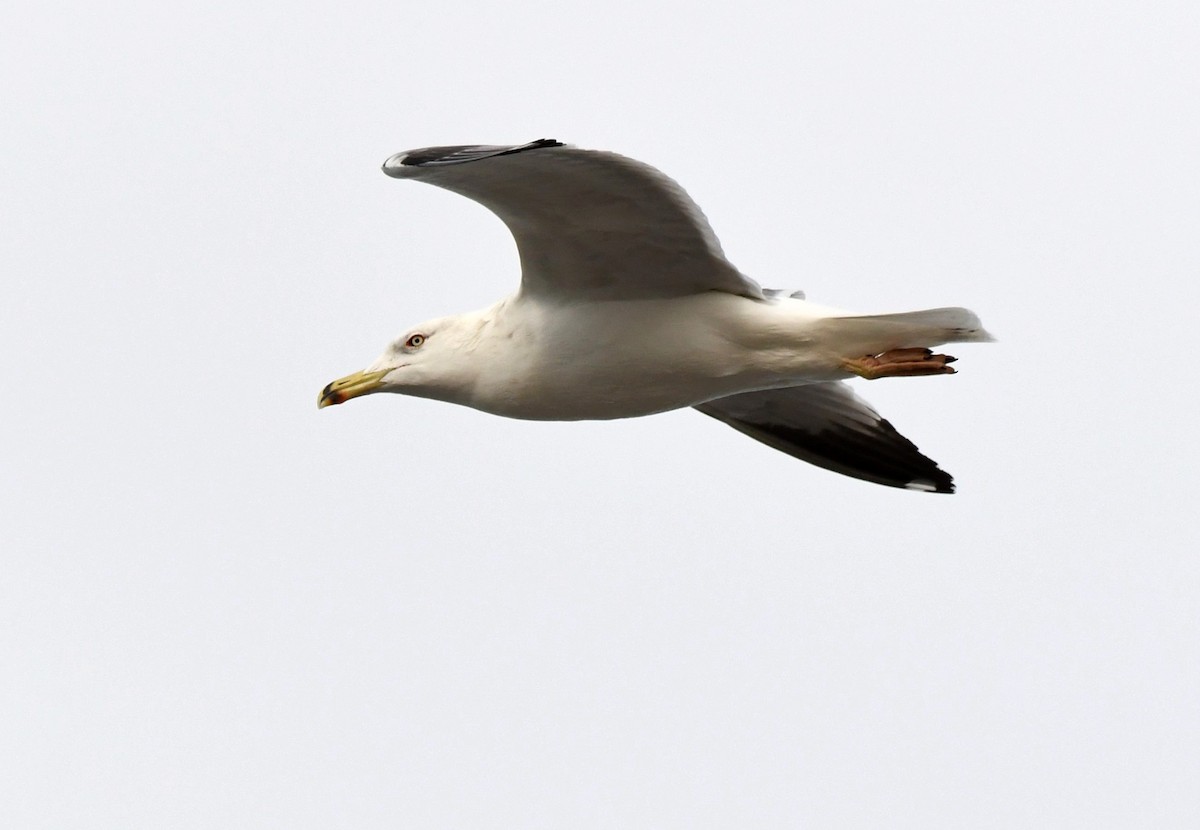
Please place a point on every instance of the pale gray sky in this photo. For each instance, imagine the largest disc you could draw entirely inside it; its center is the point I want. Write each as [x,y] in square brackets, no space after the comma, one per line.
[220,607]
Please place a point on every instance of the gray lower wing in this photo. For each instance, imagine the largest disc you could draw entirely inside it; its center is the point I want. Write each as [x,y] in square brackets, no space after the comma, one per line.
[588,224]
[828,425]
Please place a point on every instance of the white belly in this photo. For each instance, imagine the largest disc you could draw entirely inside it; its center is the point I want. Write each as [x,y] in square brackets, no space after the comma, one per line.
[626,359]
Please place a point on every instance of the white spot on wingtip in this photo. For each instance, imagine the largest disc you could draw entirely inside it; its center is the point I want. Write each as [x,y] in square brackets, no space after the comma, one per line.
[393,165]
[921,485]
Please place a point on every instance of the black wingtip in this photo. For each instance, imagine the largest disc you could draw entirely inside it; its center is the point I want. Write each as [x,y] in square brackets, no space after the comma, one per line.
[543,142]
[460,154]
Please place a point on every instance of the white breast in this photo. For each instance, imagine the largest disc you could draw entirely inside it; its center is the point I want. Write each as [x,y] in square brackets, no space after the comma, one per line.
[625,359]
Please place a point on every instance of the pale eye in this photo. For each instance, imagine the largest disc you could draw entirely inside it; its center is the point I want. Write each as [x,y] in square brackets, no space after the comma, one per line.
[415,341]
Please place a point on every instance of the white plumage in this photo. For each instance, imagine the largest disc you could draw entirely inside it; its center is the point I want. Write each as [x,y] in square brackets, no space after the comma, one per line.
[628,307]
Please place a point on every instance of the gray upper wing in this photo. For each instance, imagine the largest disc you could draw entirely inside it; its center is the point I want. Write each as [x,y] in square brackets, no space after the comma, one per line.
[828,425]
[588,224]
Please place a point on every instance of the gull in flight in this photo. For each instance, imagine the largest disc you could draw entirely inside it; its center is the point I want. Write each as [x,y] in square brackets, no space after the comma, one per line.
[627,307]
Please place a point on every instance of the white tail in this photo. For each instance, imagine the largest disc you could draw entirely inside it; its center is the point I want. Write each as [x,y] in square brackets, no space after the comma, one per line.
[875,333]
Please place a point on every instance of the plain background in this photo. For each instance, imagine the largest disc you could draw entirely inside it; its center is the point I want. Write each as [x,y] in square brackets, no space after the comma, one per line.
[220,607]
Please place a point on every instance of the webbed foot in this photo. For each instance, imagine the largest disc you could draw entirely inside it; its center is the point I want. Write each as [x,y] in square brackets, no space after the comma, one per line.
[900,363]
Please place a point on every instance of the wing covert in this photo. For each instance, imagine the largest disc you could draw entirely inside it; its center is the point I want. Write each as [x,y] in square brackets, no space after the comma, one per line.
[826,424]
[588,224]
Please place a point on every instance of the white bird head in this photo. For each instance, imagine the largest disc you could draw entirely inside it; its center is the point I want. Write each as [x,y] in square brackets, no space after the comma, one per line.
[430,360]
